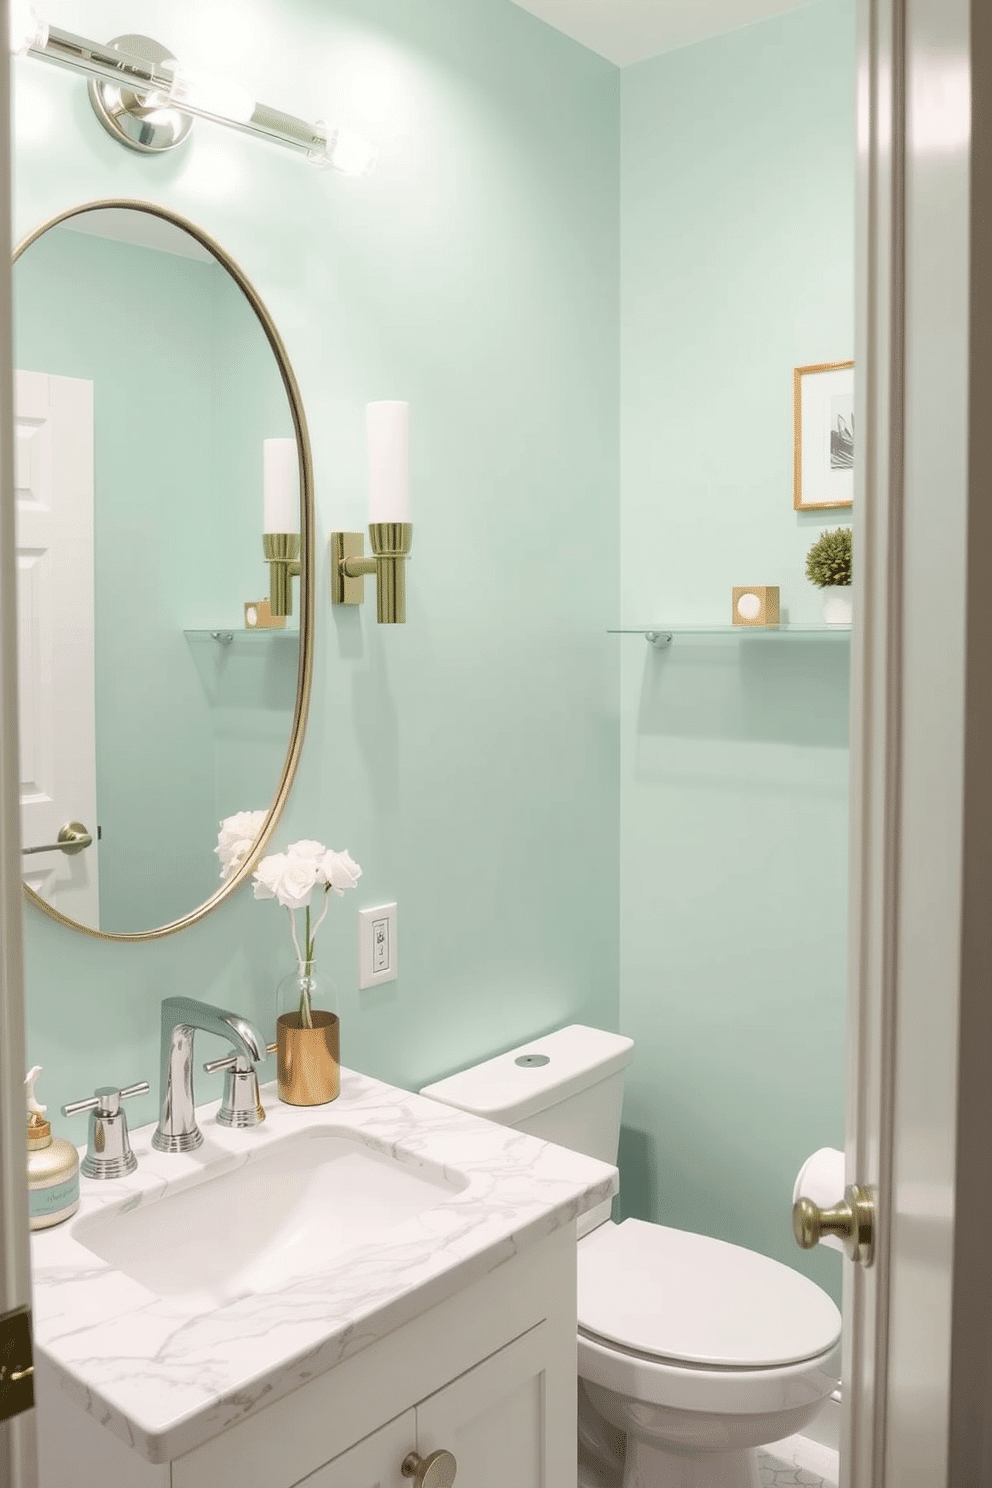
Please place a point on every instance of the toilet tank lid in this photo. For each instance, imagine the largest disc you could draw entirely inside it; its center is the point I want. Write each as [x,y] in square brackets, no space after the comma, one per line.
[505,1090]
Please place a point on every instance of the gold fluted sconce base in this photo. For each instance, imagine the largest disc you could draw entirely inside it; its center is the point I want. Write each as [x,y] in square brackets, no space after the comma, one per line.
[391,543]
[309,1059]
[282,553]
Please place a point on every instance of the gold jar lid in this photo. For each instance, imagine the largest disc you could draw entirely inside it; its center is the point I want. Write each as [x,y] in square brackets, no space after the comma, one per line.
[39,1132]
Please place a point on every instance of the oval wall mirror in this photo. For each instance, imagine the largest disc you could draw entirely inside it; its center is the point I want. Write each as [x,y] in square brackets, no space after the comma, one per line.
[157,696]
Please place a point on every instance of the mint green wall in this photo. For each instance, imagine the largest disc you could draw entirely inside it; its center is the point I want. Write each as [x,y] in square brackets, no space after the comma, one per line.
[737,265]
[473,760]
[178,493]
[468,760]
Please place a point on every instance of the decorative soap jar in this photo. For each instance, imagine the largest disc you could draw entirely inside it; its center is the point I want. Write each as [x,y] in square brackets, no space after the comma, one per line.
[308,1031]
[308,1038]
[53,1167]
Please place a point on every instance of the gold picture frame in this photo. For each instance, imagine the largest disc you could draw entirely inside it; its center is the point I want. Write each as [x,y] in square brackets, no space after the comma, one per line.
[823,436]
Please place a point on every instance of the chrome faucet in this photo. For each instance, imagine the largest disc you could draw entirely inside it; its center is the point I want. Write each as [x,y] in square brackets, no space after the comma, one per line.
[177,1130]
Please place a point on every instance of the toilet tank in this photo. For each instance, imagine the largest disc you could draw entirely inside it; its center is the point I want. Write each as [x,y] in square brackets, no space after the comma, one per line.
[566,1087]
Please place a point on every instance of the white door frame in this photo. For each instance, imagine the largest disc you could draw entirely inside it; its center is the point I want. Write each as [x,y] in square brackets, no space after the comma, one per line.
[17,1454]
[920,1022]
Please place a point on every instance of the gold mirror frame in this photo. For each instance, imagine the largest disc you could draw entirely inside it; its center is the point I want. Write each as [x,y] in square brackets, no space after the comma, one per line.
[304,676]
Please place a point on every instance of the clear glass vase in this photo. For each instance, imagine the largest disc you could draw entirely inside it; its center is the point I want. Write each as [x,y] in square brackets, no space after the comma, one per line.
[308,1036]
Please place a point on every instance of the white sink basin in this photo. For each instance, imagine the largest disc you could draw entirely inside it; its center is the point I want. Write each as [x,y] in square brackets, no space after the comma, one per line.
[298,1204]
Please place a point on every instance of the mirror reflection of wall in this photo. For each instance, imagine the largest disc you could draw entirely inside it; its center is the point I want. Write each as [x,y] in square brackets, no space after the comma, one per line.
[185,388]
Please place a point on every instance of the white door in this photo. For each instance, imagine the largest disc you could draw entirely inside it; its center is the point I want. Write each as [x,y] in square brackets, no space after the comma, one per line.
[503,1422]
[917,1385]
[53,483]
[17,1434]
[375,1462]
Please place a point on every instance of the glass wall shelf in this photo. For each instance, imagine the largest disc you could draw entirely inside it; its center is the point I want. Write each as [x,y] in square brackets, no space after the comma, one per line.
[225,635]
[661,636]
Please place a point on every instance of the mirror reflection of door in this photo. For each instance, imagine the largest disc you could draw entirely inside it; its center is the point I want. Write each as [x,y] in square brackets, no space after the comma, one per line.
[53,485]
[190,715]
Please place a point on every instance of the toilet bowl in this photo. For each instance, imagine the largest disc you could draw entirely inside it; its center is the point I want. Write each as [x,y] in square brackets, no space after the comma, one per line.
[692,1352]
[696,1352]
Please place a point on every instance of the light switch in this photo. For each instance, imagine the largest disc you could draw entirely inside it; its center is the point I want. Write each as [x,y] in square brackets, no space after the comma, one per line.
[377,945]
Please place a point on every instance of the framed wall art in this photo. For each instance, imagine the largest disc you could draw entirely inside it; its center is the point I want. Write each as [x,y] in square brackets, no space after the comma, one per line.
[823,397]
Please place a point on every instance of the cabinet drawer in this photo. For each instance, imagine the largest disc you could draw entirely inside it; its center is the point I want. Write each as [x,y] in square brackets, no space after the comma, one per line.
[494,1418]
[372,1463]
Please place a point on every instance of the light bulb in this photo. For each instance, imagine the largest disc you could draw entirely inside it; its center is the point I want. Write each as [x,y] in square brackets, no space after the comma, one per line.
[387,427]
[349,153]
[210,92]
[26,31]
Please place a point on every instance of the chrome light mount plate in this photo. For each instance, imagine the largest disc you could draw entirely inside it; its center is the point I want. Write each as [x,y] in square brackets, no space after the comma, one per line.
[139,121]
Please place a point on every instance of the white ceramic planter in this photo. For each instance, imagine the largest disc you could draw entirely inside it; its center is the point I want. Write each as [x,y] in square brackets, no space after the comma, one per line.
[837,604]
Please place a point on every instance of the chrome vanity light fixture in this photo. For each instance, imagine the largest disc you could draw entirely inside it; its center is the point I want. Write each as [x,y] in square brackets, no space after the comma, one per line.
[281,536]
[390,529]
[147,100]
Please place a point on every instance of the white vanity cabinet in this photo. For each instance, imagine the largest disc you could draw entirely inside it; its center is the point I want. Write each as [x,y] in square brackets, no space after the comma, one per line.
[491,1419]
[372,1463]
[488,1374]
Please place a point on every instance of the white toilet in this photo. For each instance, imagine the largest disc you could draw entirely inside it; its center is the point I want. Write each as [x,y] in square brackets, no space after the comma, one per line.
[692,1352]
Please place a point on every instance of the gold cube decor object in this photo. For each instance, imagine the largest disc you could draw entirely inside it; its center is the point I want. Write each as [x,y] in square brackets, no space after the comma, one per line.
[756,605]
[259,616]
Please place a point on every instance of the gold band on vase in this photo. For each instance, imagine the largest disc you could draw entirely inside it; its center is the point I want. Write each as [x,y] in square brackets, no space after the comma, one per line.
[309,1059]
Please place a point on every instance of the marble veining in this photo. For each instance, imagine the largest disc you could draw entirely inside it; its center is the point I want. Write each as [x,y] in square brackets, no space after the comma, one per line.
[798,1462]
[166,1373]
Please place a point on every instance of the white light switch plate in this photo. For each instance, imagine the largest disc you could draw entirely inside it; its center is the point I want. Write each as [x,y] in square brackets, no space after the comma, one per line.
[377,945]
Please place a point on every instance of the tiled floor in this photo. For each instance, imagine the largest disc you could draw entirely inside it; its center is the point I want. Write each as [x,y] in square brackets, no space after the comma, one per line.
[798,1461]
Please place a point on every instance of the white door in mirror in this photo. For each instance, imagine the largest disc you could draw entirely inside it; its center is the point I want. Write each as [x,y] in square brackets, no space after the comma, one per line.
[377,945]
[53,480]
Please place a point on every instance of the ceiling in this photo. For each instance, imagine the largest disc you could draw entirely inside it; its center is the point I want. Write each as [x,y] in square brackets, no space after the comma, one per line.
[626,31]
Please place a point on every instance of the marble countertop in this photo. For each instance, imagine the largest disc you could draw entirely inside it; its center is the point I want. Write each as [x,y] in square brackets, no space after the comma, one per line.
[166,1374]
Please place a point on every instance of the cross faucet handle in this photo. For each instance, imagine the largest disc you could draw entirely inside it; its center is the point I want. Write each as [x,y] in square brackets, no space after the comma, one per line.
[242,1105]
[106,1099]
[108,1151]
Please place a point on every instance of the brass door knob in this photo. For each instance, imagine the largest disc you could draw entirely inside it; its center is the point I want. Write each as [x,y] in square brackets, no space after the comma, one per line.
[72,839]
[852,1221]
[436,1471]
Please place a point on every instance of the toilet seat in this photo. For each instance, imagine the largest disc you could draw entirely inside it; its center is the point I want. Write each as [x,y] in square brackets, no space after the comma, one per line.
[730,1392]
[695,1301]
[682,1320]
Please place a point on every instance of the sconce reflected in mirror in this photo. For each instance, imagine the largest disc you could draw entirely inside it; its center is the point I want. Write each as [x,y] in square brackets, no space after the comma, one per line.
[390,529]
[281,536]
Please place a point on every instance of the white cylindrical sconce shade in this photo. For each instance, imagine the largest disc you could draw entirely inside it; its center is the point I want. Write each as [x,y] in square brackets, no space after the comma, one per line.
[282,485]
[388,429]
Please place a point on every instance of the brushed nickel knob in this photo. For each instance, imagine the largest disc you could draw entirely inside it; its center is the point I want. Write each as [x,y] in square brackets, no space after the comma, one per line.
[852,1221]
[436,1471]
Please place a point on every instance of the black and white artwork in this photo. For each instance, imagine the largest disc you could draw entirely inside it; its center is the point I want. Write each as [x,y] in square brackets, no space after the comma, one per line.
[824,435]
[842,433]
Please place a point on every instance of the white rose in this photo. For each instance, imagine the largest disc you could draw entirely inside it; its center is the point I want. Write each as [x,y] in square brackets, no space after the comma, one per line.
[244,826]
[268,875]
[313,851]
[296,883]
[235,858]
[339,871]
[290,880]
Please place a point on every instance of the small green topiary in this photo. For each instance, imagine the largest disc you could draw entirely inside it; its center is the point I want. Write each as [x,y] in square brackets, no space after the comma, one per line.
[828,561]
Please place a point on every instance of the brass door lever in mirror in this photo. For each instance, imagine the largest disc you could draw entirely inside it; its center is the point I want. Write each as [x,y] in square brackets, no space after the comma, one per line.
[72,839]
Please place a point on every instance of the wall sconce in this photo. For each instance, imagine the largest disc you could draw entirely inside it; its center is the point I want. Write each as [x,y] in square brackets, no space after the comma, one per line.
[390,529]
[281,536]
[147,101]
